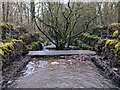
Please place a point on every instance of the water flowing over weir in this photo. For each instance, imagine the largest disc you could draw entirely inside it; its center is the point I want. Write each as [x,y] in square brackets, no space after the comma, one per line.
[43,46]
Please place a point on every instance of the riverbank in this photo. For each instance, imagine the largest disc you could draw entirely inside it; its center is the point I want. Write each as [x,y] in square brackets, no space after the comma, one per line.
[12,70]
[111,73]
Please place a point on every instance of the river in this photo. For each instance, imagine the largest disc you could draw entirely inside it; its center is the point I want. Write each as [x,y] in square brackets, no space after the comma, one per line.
[61,72]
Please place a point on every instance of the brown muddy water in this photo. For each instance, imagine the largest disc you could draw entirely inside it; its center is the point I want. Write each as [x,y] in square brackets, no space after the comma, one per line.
[61,72]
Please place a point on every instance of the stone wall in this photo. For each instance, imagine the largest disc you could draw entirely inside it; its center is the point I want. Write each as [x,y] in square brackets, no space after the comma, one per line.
[17,43]
[11,51]
[105,40]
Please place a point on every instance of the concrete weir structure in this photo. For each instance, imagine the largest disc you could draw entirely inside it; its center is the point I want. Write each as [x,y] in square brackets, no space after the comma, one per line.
[60,52]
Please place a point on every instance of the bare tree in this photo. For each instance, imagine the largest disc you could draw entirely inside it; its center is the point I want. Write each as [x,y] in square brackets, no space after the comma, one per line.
[119,12]
[61,21]
[3,19]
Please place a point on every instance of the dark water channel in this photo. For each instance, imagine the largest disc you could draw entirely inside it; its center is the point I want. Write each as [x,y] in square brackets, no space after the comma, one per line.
[61,72]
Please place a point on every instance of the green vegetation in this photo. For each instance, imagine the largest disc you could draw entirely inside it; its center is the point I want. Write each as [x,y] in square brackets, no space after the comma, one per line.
[115,34]
[117,49]
[7,26]
[1,52]
[108,47]
[8,47]
[99,47]
[85,25]
[117,46]
[14,47]
[110,42]
[11,31]
[87,41]
[11,50]
[34,46]
[29,37]
[114,26]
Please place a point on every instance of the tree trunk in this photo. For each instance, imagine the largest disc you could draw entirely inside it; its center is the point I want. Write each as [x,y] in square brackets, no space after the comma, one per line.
[3,19]
[119,12]
[7,12]
[106,22]
[32,10]
[3,11]
[21,11]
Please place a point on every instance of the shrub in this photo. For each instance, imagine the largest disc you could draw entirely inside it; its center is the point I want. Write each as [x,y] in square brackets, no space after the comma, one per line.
[86,41]
[46,43]
[99,47]
[114,26]
[106,31]
[11,31]
[35,46]
[29,38]
[109,47]
[84,46]
[90,40]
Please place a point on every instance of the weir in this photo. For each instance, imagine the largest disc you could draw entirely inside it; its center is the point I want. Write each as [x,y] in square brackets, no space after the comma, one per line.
[60,52]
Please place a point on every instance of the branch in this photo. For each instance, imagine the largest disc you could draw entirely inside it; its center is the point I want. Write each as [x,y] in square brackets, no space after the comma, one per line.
[88,23]
[43,32]
[92,18]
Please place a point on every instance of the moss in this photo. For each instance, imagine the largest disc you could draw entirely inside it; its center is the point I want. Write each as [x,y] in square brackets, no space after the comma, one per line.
[100,45]
[117,49]
[6,25]
[115,34]
[1,52]
[36,32]
[1,64]
[8,40]
[46,43]
[114,26]
[103,30]
[29,47]
[34,46]
[119,37]
[98,29]
[21,38]
[89,39]
[84,46]
[12,50]
[117,46]
[109,42]
[7,46]
[99,26]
